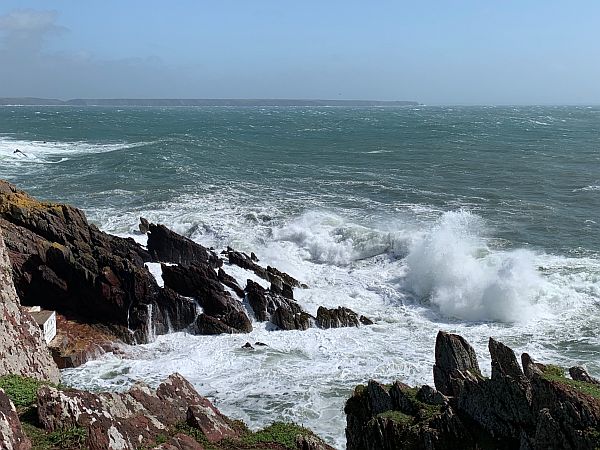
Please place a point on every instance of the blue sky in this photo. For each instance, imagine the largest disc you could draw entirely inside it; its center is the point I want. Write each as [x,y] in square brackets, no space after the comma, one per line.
[435,52]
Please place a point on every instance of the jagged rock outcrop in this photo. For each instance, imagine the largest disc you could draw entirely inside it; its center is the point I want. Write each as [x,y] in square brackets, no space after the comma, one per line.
[12,436]
[174,416]
[531,408]
[336,317]
[282,311]
[165,245]
[66,264]
[133,419]
[23,350]
[453,356]
[281,282]
[221,312]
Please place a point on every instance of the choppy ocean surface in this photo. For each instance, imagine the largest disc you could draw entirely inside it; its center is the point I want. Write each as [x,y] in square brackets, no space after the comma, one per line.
[483,221]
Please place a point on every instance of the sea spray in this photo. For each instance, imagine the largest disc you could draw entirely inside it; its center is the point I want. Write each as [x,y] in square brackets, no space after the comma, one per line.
[453,268]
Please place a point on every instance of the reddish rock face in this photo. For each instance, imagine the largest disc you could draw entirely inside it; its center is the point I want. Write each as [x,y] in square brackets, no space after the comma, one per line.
[180,442]
[135,418]
[210,421]
[11,433]
[23,350]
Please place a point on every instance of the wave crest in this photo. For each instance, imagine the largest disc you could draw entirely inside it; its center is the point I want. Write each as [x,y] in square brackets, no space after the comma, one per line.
[452,267]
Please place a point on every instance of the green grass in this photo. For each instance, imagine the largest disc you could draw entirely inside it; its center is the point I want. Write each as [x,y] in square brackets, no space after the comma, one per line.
[21,390]
[278,433]
[397,416]
[556,373]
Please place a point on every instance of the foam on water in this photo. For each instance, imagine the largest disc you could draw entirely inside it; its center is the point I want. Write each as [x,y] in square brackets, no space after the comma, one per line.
[412,280]
[453,268]
[52,152]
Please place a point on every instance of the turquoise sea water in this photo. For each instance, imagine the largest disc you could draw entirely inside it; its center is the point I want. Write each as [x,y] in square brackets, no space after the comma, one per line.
[479,220]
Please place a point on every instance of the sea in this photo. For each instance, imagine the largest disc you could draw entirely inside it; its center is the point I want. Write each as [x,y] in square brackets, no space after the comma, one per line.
[482,221]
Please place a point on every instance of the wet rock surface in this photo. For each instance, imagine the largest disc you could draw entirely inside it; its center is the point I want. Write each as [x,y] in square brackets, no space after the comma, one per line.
[63,263]
[534,407]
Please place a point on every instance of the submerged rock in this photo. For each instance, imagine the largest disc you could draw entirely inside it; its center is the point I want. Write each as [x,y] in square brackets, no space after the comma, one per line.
[531,408]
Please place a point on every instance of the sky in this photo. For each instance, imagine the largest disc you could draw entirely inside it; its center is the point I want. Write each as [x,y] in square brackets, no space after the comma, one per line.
[434,52]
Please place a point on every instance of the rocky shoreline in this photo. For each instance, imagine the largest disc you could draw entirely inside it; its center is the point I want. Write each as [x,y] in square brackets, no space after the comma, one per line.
[104,294]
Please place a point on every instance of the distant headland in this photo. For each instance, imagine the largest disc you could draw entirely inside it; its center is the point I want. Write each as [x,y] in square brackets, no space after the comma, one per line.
[33,101]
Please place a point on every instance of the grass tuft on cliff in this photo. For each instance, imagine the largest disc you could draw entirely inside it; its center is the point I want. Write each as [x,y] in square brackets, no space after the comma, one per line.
[22,391]
[552,372]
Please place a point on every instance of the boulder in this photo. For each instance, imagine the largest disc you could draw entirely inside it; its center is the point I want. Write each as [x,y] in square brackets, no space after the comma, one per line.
[579,373]
[180,442]
[23,350]
[336,317]
[12,436]
[206,418]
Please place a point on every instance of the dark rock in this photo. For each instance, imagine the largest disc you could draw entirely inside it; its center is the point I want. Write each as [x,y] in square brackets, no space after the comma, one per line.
[167,246]
[429,395]
[144,225]
[248,346]
[578,373]
[12,436]
[281,311]
[291,317]
[379,398]
[336,317]
[62,263]
[260,344]
[452,354]
[535,408]
[202,283]
[280,280]
[230,282]
[365,320]
[504,361]
[374,422]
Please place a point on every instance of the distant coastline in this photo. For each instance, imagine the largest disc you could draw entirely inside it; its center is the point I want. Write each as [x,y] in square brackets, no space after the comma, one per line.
[33,101]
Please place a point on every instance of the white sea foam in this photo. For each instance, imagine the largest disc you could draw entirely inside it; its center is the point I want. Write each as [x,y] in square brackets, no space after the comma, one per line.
[454,269]
[52,152]
[529,300]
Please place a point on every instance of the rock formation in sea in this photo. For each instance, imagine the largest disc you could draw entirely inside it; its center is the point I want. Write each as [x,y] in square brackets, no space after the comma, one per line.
[23,350]
[531,408]
[103,292]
